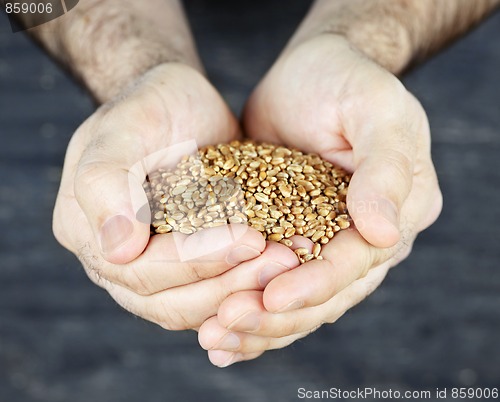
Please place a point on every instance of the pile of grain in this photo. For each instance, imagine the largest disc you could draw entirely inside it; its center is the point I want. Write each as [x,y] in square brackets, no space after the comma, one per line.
[280,192]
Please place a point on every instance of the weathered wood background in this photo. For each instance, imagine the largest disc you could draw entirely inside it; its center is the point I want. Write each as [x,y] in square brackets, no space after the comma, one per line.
[434,322]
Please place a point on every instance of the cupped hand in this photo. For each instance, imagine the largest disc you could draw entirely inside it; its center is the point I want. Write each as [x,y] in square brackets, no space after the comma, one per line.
[177,283]
[324,96]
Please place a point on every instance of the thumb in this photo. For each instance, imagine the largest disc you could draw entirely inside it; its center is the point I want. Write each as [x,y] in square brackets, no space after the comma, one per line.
[109,196]
[379,186]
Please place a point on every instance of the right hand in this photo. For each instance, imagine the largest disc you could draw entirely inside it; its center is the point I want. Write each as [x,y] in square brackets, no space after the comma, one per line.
[327,98]
[95,218]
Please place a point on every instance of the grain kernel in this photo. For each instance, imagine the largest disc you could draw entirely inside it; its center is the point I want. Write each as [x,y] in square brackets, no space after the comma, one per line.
[275,237]
[279,191]
[178,190]
[262,197]
[253,182]
[301,251]
[330,192]
[308,257]
[163,229]
[316,250]
[318,235]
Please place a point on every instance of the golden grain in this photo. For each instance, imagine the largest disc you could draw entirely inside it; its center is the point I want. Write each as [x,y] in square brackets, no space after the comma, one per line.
[278,191]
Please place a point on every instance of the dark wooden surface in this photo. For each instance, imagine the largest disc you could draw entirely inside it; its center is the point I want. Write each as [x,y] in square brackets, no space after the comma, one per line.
[434,322]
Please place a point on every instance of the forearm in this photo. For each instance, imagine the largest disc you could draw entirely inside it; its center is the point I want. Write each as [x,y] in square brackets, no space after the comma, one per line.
[108,44]
[395,33]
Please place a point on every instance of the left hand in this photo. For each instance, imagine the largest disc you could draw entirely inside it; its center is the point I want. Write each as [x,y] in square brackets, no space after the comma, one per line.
[325,97]
[176,282]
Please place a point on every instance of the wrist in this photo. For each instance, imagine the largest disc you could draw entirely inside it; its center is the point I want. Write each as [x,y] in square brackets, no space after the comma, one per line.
[375,29]
[109,45]
[395,33]
[389,48]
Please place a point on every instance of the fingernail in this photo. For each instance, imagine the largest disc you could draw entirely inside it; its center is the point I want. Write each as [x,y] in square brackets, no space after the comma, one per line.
[230,341]
[389,211]
[269,272]
[295,305]
[115,231]
[235,357]
[249,322]
[240,254]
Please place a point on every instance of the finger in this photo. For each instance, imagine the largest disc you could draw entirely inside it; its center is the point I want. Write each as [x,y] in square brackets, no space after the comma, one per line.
[377,191]
[223,359]
[213,336]
[385,147]
[244,313]
[425,202]
[213,252]
[148,273]
[159,268]
[108,179]
[188,306]
[346,258]
[120,235]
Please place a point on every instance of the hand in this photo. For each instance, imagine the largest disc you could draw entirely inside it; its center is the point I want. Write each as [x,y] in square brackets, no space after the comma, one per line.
[95,216]
[324,96]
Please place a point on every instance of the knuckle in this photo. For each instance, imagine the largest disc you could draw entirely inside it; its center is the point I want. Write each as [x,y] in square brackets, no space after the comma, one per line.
[197,271]
[393,174]
[370,257]
[138,282]
[398,164]
[86,169]
[170,318]
[291,326]
[88,173]
[159,313]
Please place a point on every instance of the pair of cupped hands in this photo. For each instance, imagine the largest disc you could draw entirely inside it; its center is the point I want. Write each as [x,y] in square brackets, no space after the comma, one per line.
[249,296]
